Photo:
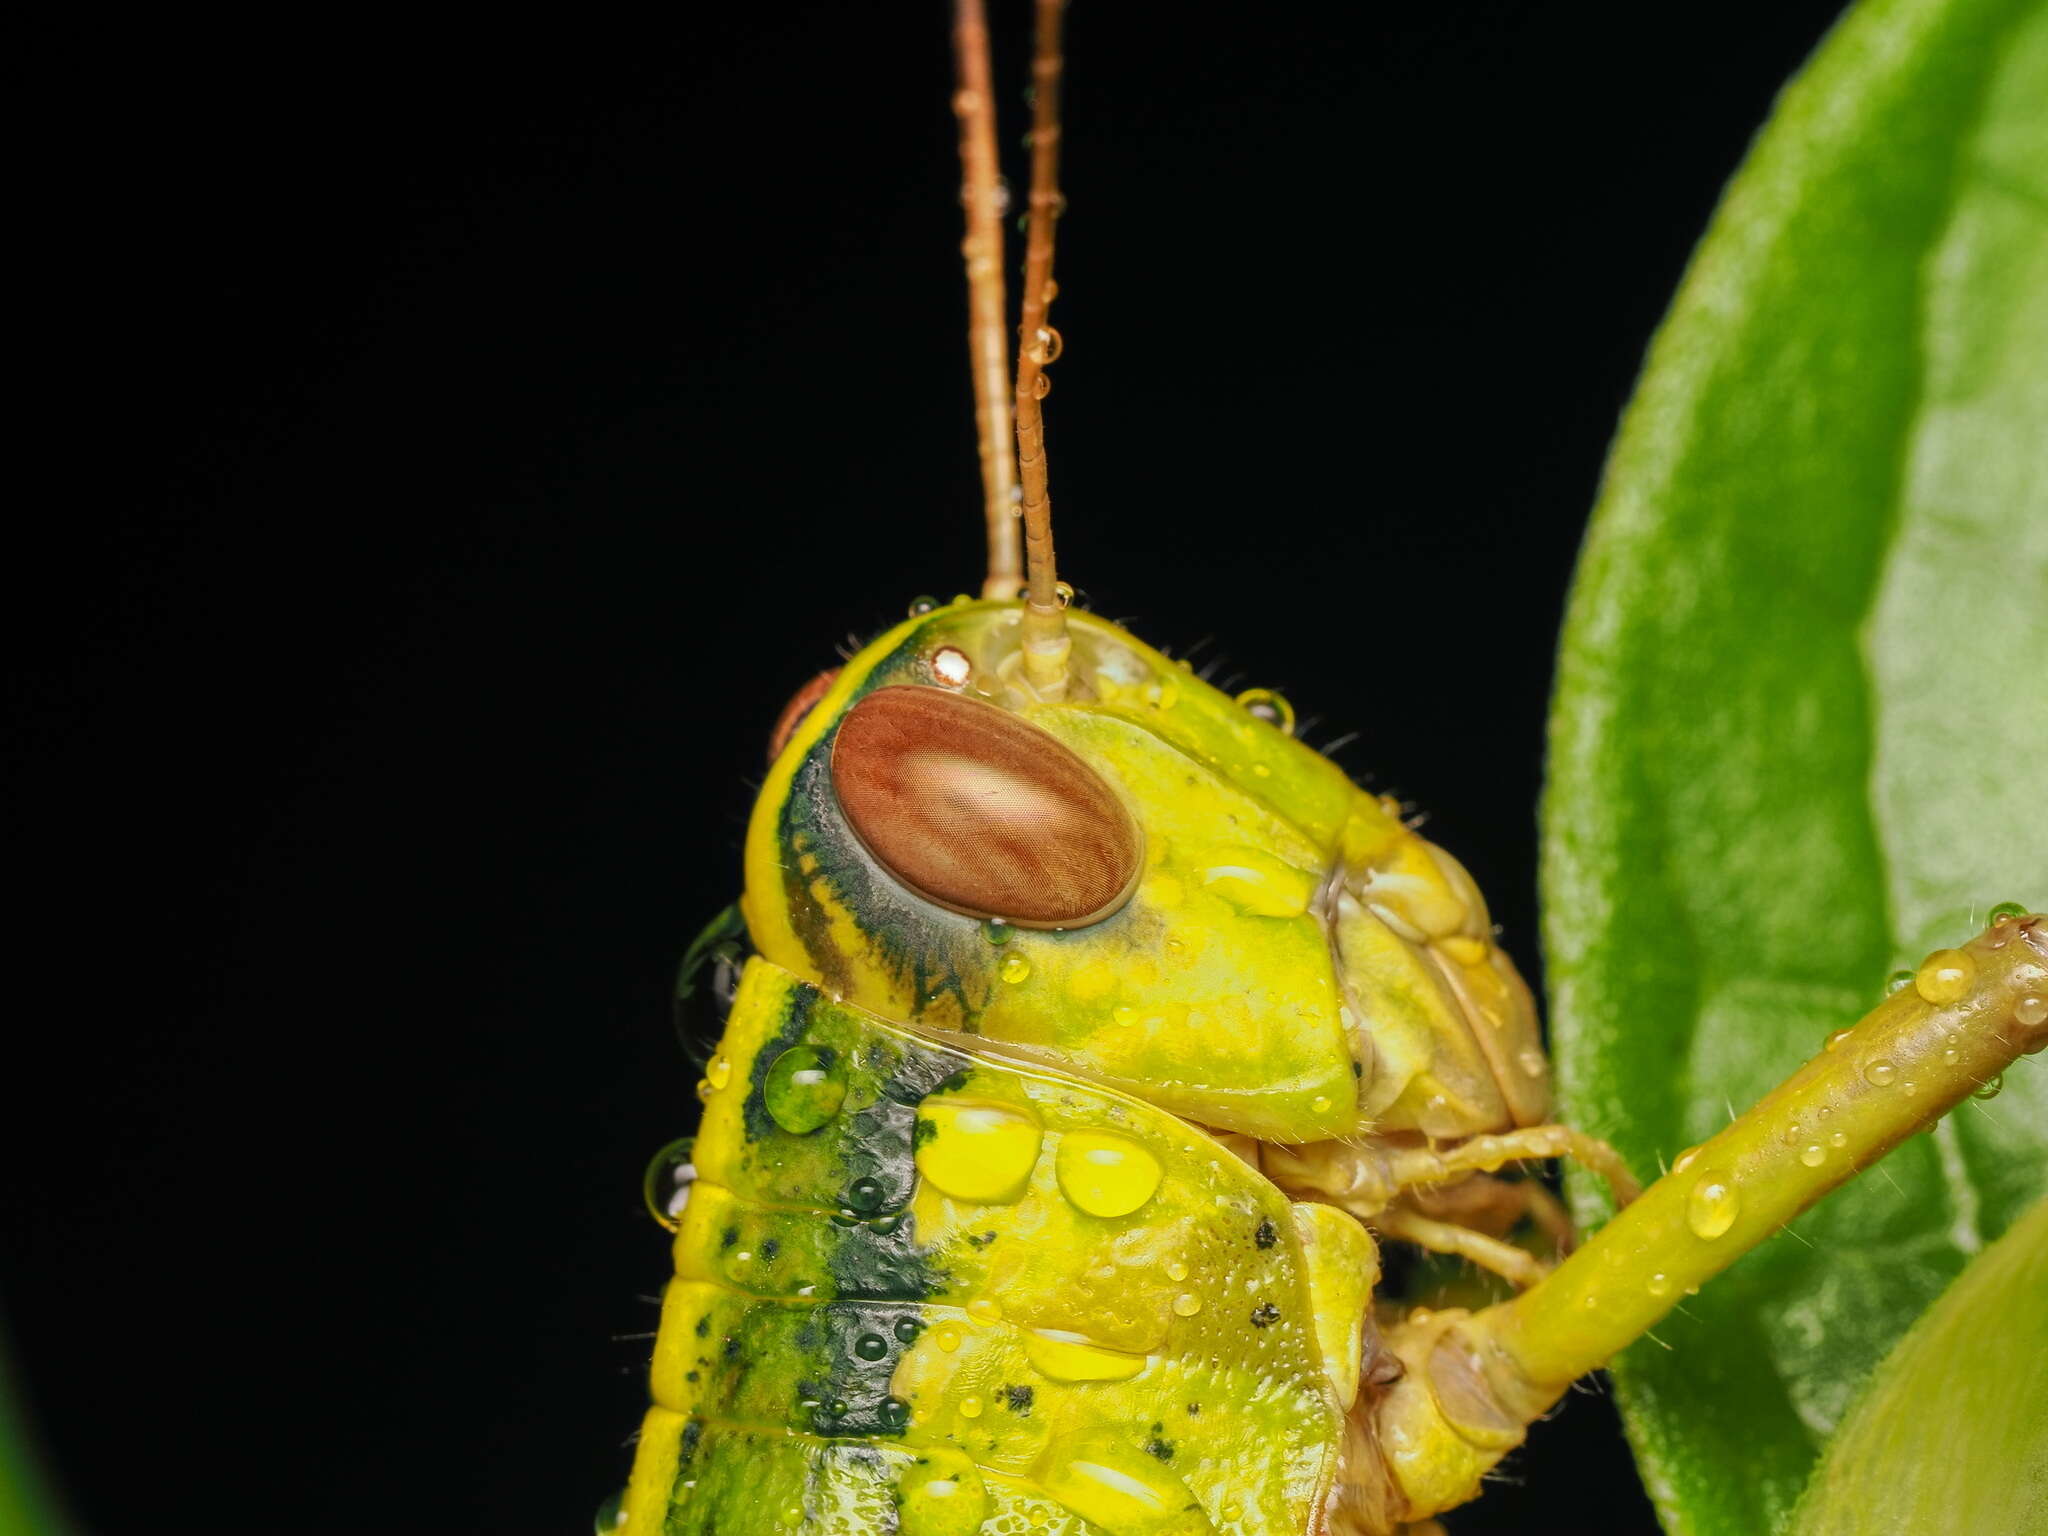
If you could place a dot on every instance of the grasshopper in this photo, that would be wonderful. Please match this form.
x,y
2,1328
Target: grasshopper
x,y
1094,1033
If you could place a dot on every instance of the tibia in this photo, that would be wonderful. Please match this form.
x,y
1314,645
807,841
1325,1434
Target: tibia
x,y
1475,1381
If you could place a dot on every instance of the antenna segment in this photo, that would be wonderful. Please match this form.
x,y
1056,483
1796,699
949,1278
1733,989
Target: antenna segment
x,y
981,195
1046,643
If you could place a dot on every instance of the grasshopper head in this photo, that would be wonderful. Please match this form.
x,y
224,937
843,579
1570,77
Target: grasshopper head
x,y
1146,883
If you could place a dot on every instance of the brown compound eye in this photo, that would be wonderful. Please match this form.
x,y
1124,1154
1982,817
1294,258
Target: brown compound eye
x,y
801,703
979,811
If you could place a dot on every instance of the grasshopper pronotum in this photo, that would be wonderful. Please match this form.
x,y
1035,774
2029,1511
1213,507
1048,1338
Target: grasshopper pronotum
x,y
1096,1034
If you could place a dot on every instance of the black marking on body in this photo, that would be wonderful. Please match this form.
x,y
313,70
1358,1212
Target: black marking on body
x,y
1265,1237
1265,1314
1017,1399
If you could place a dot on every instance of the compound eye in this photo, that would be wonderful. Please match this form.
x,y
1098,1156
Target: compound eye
x,y
981,812
801,703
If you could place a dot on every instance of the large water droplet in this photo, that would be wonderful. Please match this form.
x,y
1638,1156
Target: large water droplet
x,y
1991,1089
1813,1156
1898,981
665,1186
1066,1356
709,978
1944,976
1015,969
939,1498
1879,1073
871,1346
923,604
865,1196
2006,911
1258,883
611,1515
804,1088
1270,707
1119,1489
979,1152
2031,1011
1713,1205
1186,1304
970,1406
1105,1175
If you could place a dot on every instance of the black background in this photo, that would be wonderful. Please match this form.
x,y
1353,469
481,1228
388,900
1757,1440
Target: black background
x,y
462,443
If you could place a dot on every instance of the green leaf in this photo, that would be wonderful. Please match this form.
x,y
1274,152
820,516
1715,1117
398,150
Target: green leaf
x,y
1955,1369
1801,728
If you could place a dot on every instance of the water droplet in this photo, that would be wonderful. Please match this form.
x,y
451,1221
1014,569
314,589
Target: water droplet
x,y
1320,1104
1050,345
978,1152
2006,911
719,1073
1463,948
1684,1159
950,667
803,1089
1838,1037
1949,1054
1813,1156
1071,1357
1233,1510
871,1346
985,1309
939,1499
1944,976
996,931
2031,1011
1041,386
1909,1087
1838,1140
1105,1175
1256,882
970,1406
906,1330
665,1186
1898,981
1176,1271
1186,1304
1713,1206
947,1337
1991,1089
1015,969
865,1196
1063,594
1658,1285
895,1413
611,1515
709,978
1271,707
923,604
1879,1073
791,1516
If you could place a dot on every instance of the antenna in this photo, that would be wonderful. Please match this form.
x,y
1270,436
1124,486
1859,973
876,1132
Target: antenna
x,y
1046,643
981,195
